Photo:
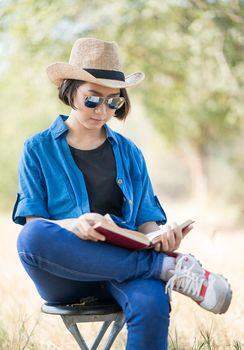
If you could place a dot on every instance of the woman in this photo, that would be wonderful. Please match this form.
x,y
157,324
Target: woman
x,y
76,171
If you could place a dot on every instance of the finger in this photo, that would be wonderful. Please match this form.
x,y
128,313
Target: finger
x,y
89,233
78,233
80,229
178,235
164,243
93,218
171,239
94,235
168,238
157,247
187,230
86,230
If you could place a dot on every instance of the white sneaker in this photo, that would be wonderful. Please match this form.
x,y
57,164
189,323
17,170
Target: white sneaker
x,y
210,290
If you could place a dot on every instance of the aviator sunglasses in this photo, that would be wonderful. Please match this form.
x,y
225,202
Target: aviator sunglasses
x,y
111,102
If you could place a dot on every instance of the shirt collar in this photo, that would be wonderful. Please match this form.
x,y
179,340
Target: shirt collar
x,y
110,134
59,127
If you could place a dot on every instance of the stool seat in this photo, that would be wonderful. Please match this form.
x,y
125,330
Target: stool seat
x,y
93,307
89,310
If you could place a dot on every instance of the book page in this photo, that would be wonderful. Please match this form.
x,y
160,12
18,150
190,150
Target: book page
x,y
154,234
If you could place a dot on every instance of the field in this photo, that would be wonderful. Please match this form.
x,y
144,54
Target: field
x,y
22,326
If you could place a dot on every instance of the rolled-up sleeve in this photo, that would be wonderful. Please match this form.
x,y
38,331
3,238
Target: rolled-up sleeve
x,y
31,196
150,208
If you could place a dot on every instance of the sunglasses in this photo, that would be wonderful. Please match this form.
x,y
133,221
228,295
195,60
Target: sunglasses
x,y
111,102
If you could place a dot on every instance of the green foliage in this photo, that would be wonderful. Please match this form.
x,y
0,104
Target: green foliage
x,y
191,53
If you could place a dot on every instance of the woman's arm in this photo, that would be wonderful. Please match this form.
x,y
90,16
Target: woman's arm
x,y
81,226
65,223
149,226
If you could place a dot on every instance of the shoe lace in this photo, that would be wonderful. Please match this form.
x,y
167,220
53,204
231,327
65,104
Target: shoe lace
x,y
185,280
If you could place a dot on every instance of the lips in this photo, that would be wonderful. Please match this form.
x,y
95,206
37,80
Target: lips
x,y
97,120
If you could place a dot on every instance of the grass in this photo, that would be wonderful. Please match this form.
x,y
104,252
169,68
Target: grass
x,y
19,338
24,339
23,327
205,341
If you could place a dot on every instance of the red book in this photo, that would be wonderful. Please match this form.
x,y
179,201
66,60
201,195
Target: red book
x,y
129,239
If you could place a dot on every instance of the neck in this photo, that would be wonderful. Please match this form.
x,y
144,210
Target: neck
x,y
81,137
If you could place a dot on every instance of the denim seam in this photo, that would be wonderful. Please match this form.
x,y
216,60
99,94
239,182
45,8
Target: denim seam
x,y
77,273
123,293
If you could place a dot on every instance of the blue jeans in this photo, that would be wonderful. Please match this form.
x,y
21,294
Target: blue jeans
x,y
65,269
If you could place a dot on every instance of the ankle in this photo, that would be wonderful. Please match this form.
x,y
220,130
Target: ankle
x,y
168,265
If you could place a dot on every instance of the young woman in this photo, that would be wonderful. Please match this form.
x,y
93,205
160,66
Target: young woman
x,y
74,173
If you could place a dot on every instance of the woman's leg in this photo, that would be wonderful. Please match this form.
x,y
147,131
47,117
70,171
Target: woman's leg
x,y
65,268
146,308
58,290
43,245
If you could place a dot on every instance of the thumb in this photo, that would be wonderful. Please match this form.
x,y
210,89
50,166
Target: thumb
x,y
187,230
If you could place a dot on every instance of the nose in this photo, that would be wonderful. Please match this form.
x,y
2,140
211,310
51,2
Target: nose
x,y
101,109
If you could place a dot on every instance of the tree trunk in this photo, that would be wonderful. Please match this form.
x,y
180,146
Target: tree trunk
x,y
196,159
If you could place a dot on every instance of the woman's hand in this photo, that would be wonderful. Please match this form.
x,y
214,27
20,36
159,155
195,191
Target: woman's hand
x,y
171,239
83,227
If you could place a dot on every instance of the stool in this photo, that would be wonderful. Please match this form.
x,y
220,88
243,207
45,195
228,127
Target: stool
x,y
90,310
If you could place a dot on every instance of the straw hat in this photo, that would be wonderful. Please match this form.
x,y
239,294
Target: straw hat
x,y
94,61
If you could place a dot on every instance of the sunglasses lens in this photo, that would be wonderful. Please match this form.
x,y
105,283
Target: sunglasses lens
x,y
95,101
116,102
92,101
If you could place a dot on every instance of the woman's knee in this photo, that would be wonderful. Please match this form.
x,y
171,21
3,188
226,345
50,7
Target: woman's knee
x,y
31,235
148,306
151,302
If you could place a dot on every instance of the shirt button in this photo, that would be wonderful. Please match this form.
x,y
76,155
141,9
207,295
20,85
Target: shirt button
x,y
119,181
130,201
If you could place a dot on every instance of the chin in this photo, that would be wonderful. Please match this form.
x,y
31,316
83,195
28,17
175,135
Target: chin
x,y
94,127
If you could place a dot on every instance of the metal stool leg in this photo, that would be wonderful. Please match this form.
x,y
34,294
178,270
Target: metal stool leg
x,y
117,326
100,335
105,311
72,327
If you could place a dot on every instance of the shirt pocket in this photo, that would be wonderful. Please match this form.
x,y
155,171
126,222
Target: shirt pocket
x,y
59,196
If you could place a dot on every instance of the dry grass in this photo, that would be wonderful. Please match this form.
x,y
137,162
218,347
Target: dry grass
x,y
22,326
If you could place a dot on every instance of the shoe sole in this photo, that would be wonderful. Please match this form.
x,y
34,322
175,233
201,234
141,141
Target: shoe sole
x,y
223,305
228,296
227,299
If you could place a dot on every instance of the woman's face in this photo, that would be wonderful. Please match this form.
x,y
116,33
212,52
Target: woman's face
x,y
93,118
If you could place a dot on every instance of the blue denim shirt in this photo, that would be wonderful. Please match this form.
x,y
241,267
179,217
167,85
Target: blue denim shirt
x,y
52,186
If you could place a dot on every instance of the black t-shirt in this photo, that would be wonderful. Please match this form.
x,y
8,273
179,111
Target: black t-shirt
x,y
99,169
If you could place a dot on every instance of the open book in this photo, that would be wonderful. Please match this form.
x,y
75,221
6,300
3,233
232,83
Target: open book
x,y
129,239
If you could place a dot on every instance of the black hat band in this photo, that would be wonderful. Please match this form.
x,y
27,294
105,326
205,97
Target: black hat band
x,y
106,74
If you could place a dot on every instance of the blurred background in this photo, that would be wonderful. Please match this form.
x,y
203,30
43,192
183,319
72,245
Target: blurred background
x,y
187,117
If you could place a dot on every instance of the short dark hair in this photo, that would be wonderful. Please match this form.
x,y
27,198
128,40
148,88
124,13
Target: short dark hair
x,y
68,89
